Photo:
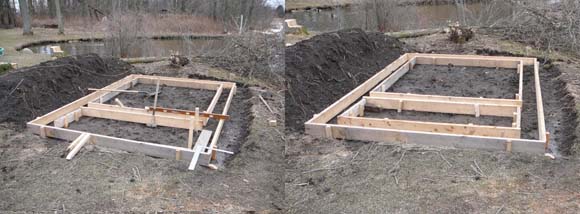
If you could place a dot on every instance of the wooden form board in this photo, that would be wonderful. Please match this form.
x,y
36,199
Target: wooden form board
x,y
92,106
351,125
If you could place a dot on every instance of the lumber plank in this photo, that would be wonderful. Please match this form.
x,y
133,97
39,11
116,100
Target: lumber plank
x,y
395,76
151,149
333,110
442,106
488,63
48,118
84,138
539,103
136,117
214,102
186,112
194,159
526,60
183,83
471,100
430,139
461,129
221,122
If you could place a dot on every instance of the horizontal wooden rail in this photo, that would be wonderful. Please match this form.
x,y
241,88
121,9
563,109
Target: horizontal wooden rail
x,y
184,83
424,138
137,117
471,100
472,60
442,106
462,129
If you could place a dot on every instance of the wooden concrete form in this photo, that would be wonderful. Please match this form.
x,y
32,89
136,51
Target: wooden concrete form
x,y
352,124
55,123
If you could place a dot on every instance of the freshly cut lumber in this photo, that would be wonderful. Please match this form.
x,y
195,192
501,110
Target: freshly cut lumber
x,y
83,139
526,60
200,145
186,112
539,104
136,117
450,128
183,83
428,138
471,100
442,106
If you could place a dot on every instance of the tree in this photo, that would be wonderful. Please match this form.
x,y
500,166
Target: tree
x,y
59,17
7,19
26,25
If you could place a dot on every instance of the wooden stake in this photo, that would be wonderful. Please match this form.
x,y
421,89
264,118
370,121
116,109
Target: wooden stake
x,y
196,119
508,146
476,110
190,136
85,137
153,124
400,108
547,141
177,154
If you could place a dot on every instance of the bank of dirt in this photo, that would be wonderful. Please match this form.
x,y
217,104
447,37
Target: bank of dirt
x,y
30,92
324,68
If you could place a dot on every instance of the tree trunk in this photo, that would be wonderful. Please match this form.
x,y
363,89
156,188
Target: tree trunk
x,y
51,8
59,17
6,14
26,25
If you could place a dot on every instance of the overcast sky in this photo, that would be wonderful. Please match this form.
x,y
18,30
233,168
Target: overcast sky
x,y
275,3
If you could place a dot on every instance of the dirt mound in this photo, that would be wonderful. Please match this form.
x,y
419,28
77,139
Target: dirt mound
x,y
30,92
326,67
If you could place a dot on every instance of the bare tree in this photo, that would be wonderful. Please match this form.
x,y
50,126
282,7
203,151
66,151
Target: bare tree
x,y
26,25
59,17
7,17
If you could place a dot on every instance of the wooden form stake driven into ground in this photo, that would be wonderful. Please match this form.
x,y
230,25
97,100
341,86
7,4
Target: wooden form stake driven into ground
x,y
351,123
55,124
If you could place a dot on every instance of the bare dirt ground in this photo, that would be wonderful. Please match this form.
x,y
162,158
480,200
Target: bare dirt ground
x,y
36,178
332,176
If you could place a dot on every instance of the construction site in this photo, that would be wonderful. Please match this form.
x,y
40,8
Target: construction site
x,y
417,122
350,106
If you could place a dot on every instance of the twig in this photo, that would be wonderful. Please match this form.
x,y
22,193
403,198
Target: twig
x,y
500,209
477,165
265,103
15,88
445,159
397,165
322,169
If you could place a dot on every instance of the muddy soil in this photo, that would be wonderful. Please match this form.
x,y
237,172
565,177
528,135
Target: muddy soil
x,y
439,117
30,92
459,81
324,68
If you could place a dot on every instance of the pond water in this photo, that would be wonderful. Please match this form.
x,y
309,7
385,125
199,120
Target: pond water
x,y
398,17
140,48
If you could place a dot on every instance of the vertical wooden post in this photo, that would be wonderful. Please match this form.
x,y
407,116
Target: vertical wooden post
x,y
190,135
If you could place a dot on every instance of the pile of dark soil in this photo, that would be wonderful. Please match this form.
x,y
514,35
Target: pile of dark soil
x,y
31,92
326,67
